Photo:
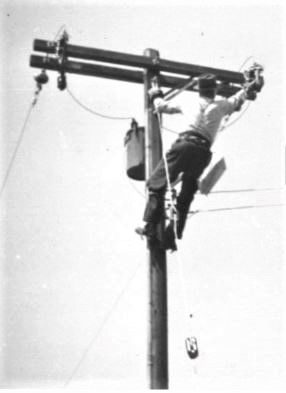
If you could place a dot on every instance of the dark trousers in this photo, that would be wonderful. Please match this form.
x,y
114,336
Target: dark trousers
x,y
189,155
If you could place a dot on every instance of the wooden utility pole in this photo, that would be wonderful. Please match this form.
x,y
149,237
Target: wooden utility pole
x,y
151,65
158,311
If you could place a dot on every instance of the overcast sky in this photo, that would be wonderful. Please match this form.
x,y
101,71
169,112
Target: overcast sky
x,y
74,274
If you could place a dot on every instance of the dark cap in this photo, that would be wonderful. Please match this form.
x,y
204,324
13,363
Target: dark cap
x,y
207,81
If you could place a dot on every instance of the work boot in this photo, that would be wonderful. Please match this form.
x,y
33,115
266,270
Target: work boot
x,y
181,222
169,237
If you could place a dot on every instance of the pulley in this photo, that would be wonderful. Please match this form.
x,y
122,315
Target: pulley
x,y
192,347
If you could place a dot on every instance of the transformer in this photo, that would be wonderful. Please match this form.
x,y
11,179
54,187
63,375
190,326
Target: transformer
x,y
134,143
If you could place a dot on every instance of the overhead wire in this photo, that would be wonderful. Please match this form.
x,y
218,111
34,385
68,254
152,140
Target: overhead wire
x,y
83,106
102,325
226,123
235,208
247,190
62,28
19,141
23,128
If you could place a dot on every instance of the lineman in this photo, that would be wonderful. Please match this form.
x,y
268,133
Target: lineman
x,y
191,152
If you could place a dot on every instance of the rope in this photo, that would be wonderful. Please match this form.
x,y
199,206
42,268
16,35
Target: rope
x,y
169,186
20,139
174,211
105,320
94,112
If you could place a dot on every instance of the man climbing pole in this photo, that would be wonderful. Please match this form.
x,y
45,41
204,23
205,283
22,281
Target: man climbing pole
x,y
191,153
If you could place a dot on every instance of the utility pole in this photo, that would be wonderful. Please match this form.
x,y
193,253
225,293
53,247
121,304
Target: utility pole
x,y
158,310
151,66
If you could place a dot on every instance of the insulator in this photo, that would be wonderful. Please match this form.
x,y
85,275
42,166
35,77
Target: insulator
x,y
62,82
42,78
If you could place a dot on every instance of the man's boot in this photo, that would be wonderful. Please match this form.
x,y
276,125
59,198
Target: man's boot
x,y
170,237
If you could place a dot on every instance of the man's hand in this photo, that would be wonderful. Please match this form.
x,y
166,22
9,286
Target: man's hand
x,y
254,81
254,87
154,93
259,83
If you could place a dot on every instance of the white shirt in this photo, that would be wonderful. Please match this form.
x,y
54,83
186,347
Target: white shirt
x,y
205,118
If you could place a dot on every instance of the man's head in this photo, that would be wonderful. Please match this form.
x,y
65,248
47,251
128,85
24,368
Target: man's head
x,y
207,85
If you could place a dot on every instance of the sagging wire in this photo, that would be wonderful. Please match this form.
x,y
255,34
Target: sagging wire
x,y
40,79
135,188
20,139
105,320
226,122
247,190
62,28
61,54
193,212
83,106
245,62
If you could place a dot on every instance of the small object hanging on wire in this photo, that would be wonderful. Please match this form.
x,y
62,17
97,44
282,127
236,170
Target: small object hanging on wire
x,y
192,347
41,79
61,53
254,80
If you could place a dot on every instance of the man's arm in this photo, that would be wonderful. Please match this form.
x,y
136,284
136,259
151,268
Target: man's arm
x,y
163,106
235,102
249,91
160,104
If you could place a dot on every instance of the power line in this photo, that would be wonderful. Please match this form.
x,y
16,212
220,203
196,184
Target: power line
x,y
247,190
105,320
235,208
94,112
16,148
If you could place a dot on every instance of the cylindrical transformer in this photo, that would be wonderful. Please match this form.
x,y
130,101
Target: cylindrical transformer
x,y
134,142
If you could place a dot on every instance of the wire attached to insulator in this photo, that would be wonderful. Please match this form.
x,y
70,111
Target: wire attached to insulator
x,y
40,79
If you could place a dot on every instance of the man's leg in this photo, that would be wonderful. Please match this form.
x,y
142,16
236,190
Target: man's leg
x,y
184,200
157,185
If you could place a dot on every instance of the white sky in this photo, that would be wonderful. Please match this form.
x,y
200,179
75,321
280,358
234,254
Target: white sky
x,y
74,274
